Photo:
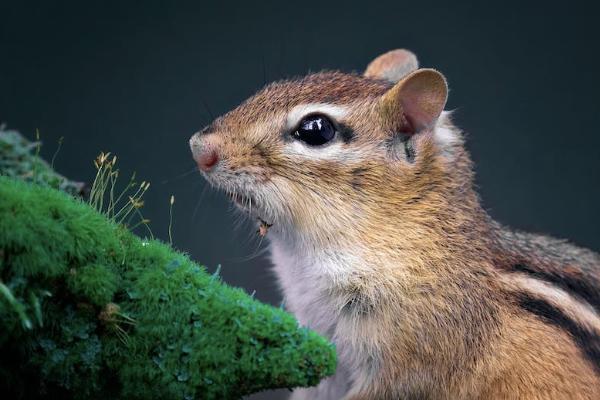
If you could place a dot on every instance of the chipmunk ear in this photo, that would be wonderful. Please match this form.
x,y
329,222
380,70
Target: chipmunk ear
x,y
416,102
392,66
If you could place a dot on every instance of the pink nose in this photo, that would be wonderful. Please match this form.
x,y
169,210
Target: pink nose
x,y
207,159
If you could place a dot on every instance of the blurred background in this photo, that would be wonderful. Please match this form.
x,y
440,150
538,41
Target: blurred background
x,y
138,78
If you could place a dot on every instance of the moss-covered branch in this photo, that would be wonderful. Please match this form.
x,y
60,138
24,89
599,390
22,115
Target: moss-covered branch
x,y
88,310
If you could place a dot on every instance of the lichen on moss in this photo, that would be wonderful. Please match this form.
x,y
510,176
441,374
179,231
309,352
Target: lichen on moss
x,y
19,158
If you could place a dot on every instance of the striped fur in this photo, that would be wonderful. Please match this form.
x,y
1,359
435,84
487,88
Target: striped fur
x,y
379,242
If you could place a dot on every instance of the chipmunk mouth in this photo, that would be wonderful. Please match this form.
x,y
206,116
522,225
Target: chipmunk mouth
x,y
248,204
241,200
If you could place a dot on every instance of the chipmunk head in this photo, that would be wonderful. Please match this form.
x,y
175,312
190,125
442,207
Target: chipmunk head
x,y
325,152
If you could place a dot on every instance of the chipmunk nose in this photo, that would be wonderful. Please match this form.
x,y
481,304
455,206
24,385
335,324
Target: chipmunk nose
x,y
208,159
204,153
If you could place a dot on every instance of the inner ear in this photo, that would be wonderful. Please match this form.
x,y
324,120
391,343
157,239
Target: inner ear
x,y
402,147
392,66
416,102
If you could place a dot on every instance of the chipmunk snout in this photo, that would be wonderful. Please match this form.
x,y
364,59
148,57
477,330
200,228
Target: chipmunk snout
x,y
208,159
204,151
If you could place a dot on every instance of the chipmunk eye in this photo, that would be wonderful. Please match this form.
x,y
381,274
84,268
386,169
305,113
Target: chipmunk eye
x,y
315,130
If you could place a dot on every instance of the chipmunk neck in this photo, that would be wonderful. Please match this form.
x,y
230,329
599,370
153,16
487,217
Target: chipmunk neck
x,y
403,254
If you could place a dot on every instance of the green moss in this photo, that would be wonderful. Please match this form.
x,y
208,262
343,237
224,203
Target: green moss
x,y
95,283
89,310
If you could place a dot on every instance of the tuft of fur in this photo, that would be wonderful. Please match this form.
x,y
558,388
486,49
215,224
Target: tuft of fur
x,y
379,242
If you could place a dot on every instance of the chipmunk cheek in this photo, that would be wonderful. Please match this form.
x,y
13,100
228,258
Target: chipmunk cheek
x,y
258,173
358,178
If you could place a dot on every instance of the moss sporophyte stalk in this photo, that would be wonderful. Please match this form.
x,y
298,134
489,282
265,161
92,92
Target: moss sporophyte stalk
x,y
89,310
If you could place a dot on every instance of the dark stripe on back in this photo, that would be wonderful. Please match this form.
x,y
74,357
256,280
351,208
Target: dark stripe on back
x,y
569,283
588,342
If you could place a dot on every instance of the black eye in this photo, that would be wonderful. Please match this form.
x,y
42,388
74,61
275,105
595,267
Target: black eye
x,y
315,130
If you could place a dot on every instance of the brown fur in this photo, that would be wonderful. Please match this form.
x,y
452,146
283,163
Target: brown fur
x,y
438,299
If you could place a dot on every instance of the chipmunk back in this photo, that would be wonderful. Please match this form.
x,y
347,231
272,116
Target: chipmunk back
x,y
364,189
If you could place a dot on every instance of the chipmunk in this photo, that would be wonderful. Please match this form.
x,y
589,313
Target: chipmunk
x,y
380,243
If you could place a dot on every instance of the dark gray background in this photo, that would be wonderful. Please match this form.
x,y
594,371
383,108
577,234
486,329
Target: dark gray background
x,y
133,78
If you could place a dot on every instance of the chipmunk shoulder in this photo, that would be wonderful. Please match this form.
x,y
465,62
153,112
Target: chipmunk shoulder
x,y
365,191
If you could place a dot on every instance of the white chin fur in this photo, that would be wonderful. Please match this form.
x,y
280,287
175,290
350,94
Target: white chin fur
x,y
255,199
